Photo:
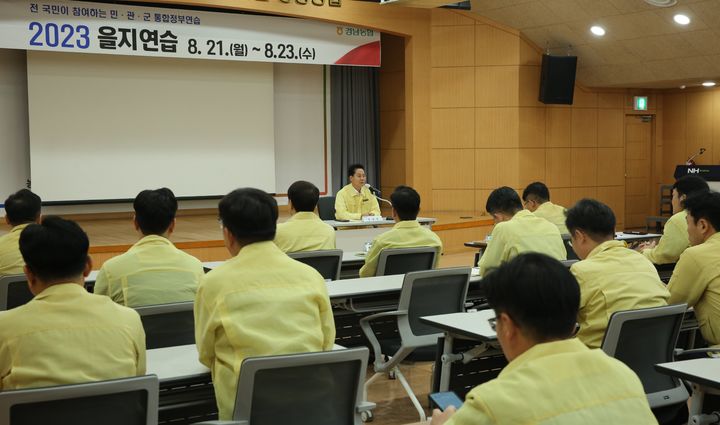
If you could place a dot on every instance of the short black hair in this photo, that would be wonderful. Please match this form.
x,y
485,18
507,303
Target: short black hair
x,y
249,214
538,292
406,202
592,217
155,210
303,195
22,206
687,185
538,190
503,200
353,168
55,249
704,205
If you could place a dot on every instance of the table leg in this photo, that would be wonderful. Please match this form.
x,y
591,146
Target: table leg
x,y
696,404
446,361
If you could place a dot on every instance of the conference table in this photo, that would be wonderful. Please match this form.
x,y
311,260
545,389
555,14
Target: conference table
x,y
704,375
352,235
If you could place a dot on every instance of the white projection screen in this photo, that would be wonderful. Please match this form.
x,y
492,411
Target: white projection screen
x,y
106,127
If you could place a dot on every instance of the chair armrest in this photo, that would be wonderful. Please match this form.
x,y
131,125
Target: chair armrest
x,y
695,353
370,335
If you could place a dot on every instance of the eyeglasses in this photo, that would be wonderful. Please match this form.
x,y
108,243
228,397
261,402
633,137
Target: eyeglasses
x,y
493,323
220,222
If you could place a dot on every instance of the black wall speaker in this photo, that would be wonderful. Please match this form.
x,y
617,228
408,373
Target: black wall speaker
x,y
557,79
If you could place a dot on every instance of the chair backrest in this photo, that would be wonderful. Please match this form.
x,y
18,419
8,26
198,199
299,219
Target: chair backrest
x,y
168,325
14,291
405,260
326,262
323,388
571,255
326,207
643,338
429,293
130,401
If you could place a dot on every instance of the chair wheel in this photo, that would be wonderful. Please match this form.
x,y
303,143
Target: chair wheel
x,y
367,416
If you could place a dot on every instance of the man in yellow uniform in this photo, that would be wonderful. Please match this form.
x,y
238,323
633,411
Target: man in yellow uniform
x,y
536,199
675,234
696,278
65,335
304,231
260,302
355,201
406,233
517,231
552,378
611,276
21,209
153,271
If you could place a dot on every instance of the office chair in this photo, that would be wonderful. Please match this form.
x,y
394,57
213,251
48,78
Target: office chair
x,y
571,255
326,207
168,325
643,338
323,388
14,291
129,401
405,260
326,262
423,293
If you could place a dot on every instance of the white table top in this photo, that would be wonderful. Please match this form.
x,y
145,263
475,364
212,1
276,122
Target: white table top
x,y
473,325
357,223
705,371
348,257
620,236
348,288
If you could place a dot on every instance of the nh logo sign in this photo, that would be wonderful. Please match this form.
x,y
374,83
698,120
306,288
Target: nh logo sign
x,y
693,171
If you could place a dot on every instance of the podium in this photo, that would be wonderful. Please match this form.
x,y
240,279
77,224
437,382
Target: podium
x,y
711,174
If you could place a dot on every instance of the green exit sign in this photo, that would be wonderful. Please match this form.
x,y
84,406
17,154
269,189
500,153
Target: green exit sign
x,y
641,103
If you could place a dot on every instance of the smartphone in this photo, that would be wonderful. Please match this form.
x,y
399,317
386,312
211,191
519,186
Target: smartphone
x,y
446,399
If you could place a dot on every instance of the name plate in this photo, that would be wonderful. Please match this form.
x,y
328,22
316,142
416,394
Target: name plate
x,y
372,219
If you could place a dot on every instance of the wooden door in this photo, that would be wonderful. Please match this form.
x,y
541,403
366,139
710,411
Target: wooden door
x,y
638,169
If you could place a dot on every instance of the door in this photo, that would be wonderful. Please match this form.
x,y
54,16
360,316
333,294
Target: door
x,y
638,169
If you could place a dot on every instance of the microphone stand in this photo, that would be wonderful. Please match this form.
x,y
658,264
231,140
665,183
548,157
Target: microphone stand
x,y
690,161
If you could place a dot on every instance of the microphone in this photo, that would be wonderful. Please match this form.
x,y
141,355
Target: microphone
x,y
372,189
691,160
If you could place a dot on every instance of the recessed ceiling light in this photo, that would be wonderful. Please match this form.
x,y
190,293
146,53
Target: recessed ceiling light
x,y
597,30
681,19
662,3
709,84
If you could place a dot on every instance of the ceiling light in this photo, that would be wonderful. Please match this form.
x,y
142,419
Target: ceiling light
x,y
709,84
597,30
681,19
661,3
683,87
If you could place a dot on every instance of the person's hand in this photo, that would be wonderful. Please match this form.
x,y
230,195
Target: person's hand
x,y
439,418
645,245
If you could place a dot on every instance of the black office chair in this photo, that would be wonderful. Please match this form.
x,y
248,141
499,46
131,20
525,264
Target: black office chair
x,y
14,291
323,388
326,262
405,260
423,293
326,208
643,338
571,255
168,325
130,401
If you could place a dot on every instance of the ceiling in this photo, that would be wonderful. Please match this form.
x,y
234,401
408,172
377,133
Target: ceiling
x,y
642,47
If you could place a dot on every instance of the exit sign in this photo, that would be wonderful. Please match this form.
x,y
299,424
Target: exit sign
x,y
641,103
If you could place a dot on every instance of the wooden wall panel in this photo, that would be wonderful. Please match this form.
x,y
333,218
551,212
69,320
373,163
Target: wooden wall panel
x,y
480,200
716,127
558,127
453,45
584,167
610,100
614,197
392,167
452,87
494,46
392,53
584,98
530,86
529,54
496,167
453,128
454,239
449,17
532,128
699,125
497,127
453,168
496,86
392,89
584,127
392,130
611,167
454,200
611,128
558,167
561,196
578,193
532,166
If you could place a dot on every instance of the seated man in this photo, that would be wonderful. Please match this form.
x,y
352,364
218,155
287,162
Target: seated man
x,y
304,231
260,302
355,201
552,378
21,209
536,198
153,271
696,278
65,335
675,233
517,231
611,276
406,233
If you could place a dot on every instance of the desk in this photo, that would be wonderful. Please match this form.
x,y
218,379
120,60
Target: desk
x,y
704,374
370,286
352,235
351,263
471,326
